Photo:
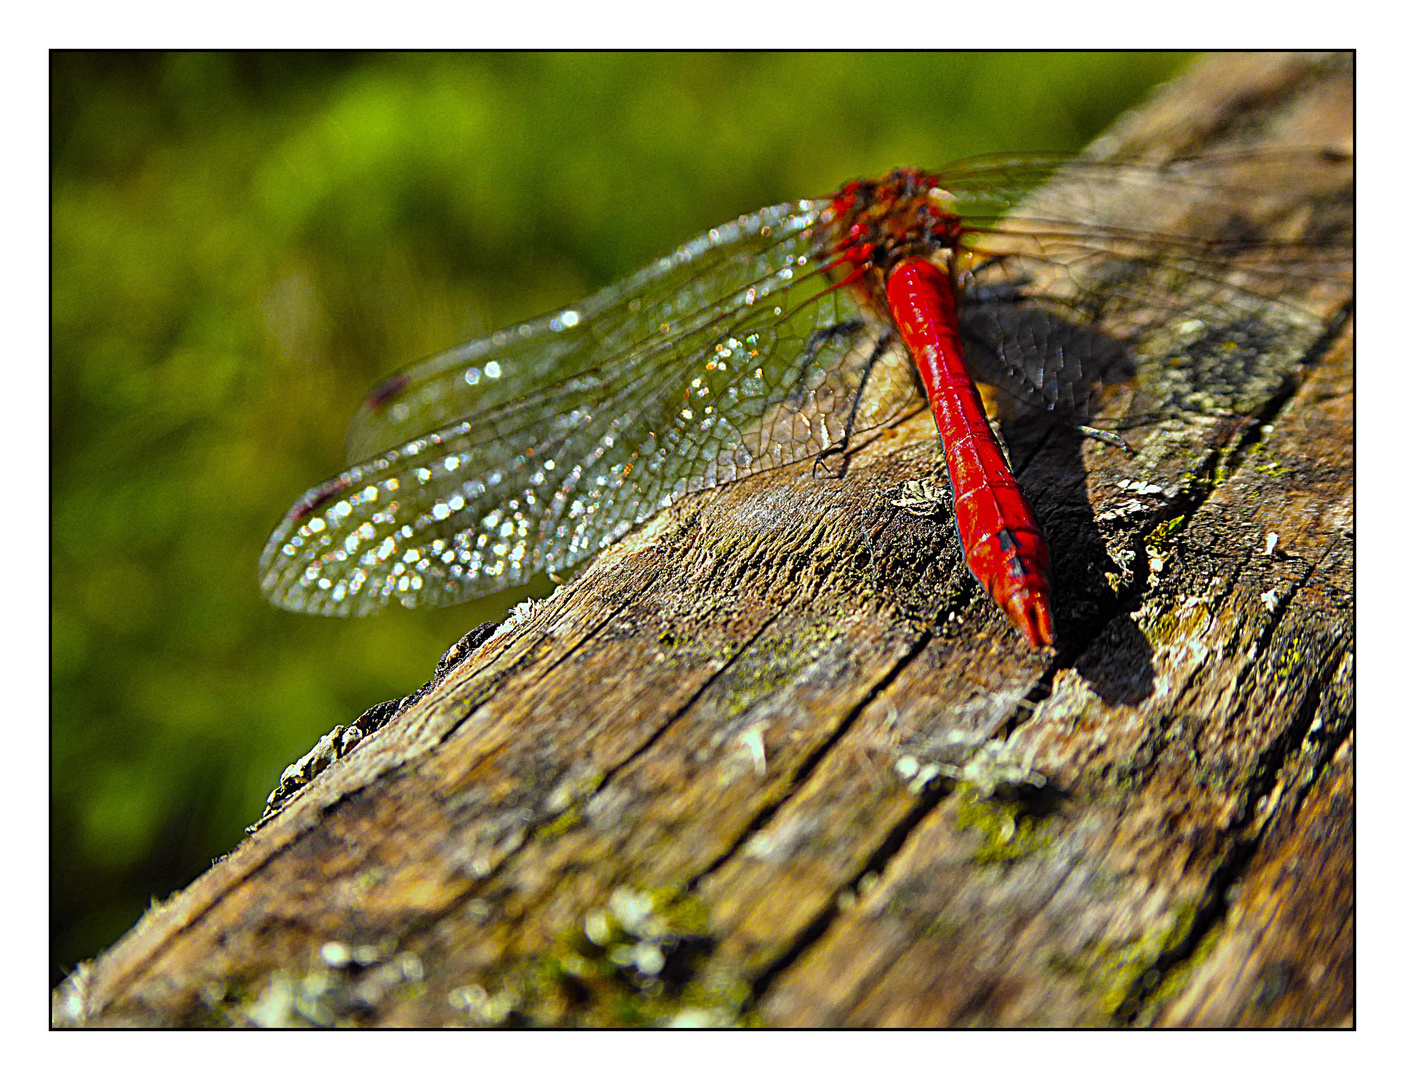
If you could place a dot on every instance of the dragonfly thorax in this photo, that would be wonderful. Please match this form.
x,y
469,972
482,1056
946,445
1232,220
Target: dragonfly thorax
x,y
879,223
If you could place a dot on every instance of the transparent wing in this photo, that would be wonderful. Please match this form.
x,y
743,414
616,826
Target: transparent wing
x,y
646,319
1090,267
534,447
538,445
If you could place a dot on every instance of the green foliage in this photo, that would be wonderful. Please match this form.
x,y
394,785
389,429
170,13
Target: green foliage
x,y
243,244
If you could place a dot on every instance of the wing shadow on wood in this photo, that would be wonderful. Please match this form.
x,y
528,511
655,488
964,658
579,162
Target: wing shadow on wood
x,y
918,564
1047,372
1086,603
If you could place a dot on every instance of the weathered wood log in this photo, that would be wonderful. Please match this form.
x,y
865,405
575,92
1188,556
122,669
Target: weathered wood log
x,y
775,759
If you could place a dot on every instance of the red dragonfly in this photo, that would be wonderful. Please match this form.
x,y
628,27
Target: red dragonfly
x,y
777,337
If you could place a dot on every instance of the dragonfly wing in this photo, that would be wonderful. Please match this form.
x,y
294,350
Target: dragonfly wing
x,y
1192,257
714,269
702,369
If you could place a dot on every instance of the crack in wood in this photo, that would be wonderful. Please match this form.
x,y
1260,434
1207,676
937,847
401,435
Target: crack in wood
x,y
1215,902
812,762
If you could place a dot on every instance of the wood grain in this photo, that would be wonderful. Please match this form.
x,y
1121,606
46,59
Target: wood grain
x,y
718,778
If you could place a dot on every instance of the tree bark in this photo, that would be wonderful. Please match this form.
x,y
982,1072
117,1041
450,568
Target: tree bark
x,y
776,759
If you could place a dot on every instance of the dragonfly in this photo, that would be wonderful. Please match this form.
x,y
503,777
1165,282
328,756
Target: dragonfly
x,y
779,337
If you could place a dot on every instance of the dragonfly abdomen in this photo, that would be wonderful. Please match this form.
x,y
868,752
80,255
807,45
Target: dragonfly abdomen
x,y
1004,547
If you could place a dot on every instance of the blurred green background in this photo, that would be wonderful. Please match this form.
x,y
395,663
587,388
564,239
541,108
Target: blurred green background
x,y
243,244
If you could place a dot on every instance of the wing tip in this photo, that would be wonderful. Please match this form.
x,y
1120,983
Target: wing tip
x,y
385,392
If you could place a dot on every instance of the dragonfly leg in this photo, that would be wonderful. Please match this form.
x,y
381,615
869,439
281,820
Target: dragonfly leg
x,y
1003,293
821,337
1111,438
842,445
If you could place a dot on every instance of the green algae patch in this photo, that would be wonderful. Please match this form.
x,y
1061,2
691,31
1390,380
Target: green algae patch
x,y
771,664
1009,831
1158,541
639,960
1263,461
1121,977
1181,623
942,929
1176,979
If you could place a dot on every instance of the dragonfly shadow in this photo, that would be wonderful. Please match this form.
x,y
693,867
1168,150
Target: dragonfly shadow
x,y
1039,362
1050,374
1090,603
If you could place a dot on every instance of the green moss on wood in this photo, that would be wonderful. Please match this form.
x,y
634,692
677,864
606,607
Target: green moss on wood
x,y
636,961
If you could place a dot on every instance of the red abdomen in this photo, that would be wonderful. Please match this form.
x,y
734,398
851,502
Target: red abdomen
x,y
1004,547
